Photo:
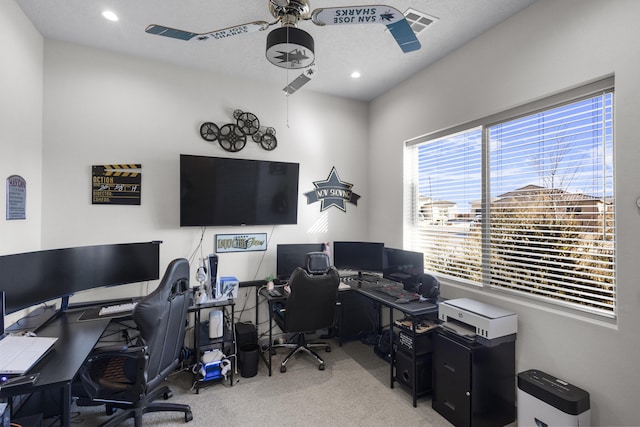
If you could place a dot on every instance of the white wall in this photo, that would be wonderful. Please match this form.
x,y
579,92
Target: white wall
x,y
103,108
20,124
547,48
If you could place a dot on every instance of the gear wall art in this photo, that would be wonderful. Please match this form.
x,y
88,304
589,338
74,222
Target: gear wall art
x,y
232,137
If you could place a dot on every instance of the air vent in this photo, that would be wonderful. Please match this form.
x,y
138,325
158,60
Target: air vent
x,y
419,21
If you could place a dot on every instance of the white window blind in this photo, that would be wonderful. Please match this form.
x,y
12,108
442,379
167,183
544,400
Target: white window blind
x,y
523,203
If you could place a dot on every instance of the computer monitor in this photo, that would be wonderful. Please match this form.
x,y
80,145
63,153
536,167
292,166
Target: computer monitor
x,y
403,266
290,256
36,277
358,256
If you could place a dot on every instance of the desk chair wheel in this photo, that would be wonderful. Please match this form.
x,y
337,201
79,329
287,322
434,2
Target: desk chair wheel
x,y
188,416
321,367
327,349
167,395
283,369
272,351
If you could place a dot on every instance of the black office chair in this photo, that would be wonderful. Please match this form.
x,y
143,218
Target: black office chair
x,y
311,305
131,378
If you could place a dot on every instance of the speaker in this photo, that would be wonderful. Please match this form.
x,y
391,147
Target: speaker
x,y
216,324
405,374
429,287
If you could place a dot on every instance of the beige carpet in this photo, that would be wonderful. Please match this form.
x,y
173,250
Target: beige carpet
x,y
353,390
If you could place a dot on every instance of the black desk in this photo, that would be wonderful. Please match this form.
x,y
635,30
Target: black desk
x,y
58,368
414,310
270,301
366,288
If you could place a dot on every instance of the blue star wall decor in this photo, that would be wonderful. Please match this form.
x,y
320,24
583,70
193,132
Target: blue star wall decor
x,y
332,192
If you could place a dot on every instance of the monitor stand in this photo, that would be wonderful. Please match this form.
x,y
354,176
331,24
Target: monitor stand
x,y
34,320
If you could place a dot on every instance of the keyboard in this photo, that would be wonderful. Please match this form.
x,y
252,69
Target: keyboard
x,y
398,292
117,308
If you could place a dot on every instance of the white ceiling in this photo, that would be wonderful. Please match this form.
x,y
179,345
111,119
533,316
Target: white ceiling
x,y
339,49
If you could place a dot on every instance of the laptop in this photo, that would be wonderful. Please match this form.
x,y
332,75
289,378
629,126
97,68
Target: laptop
x,y
18,353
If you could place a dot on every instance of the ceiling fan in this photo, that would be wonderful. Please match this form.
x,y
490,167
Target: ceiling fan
x,y
292,48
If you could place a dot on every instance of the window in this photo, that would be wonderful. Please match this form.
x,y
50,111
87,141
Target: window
x,y
522,201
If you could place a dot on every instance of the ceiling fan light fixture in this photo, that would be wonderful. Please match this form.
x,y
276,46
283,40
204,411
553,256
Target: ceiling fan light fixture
x,y
290,47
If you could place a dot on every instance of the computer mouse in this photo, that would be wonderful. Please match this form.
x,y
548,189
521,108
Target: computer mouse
x,y
402,301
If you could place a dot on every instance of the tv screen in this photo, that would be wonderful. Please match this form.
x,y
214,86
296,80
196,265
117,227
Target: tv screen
x,y
403,266
358,256
35,277
219,191
290,256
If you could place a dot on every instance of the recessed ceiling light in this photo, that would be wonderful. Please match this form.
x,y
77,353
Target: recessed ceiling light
x,y
355,75
110,15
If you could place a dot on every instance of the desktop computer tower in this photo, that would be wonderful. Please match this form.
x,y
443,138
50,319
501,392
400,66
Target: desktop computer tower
x,y
405,372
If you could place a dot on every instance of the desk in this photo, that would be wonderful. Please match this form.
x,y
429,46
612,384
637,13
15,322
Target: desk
x,y
58,368
366,288
412,310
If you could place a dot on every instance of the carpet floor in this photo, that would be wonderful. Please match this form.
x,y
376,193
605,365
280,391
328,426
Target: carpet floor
x,y
353,390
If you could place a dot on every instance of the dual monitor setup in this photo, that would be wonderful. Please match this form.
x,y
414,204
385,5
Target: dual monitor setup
x,y
359,258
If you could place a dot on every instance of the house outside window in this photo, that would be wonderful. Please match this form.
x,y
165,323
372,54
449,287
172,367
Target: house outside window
x,y
522,201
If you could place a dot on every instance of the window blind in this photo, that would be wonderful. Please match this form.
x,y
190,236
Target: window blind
x,y
522,201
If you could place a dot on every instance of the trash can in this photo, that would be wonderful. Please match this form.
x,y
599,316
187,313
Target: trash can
x,y
248,358
546,401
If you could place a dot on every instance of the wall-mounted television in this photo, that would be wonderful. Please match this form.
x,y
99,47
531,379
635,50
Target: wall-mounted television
x,y
218,191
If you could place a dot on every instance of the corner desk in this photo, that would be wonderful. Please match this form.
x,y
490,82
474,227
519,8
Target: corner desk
x,y
58,368
368,286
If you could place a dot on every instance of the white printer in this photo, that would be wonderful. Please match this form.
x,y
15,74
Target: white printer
x,y
483,322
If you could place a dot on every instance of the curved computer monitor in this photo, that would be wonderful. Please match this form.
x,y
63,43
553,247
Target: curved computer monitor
x,y
360,257
32,278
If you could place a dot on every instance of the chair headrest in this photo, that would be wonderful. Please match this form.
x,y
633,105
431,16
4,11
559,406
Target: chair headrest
x,y
317,263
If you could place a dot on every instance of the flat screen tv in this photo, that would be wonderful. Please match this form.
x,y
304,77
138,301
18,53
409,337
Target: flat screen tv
x,y
217,191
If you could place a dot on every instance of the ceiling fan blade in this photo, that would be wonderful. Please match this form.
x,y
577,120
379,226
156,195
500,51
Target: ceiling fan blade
x,y
301,80
236,30
280,3
372,14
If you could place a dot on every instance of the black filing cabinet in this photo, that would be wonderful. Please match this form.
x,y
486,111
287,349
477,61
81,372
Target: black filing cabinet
x,y
473,383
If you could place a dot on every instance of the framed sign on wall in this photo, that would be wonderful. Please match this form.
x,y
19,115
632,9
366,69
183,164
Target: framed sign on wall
x,y
241,242
118,184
